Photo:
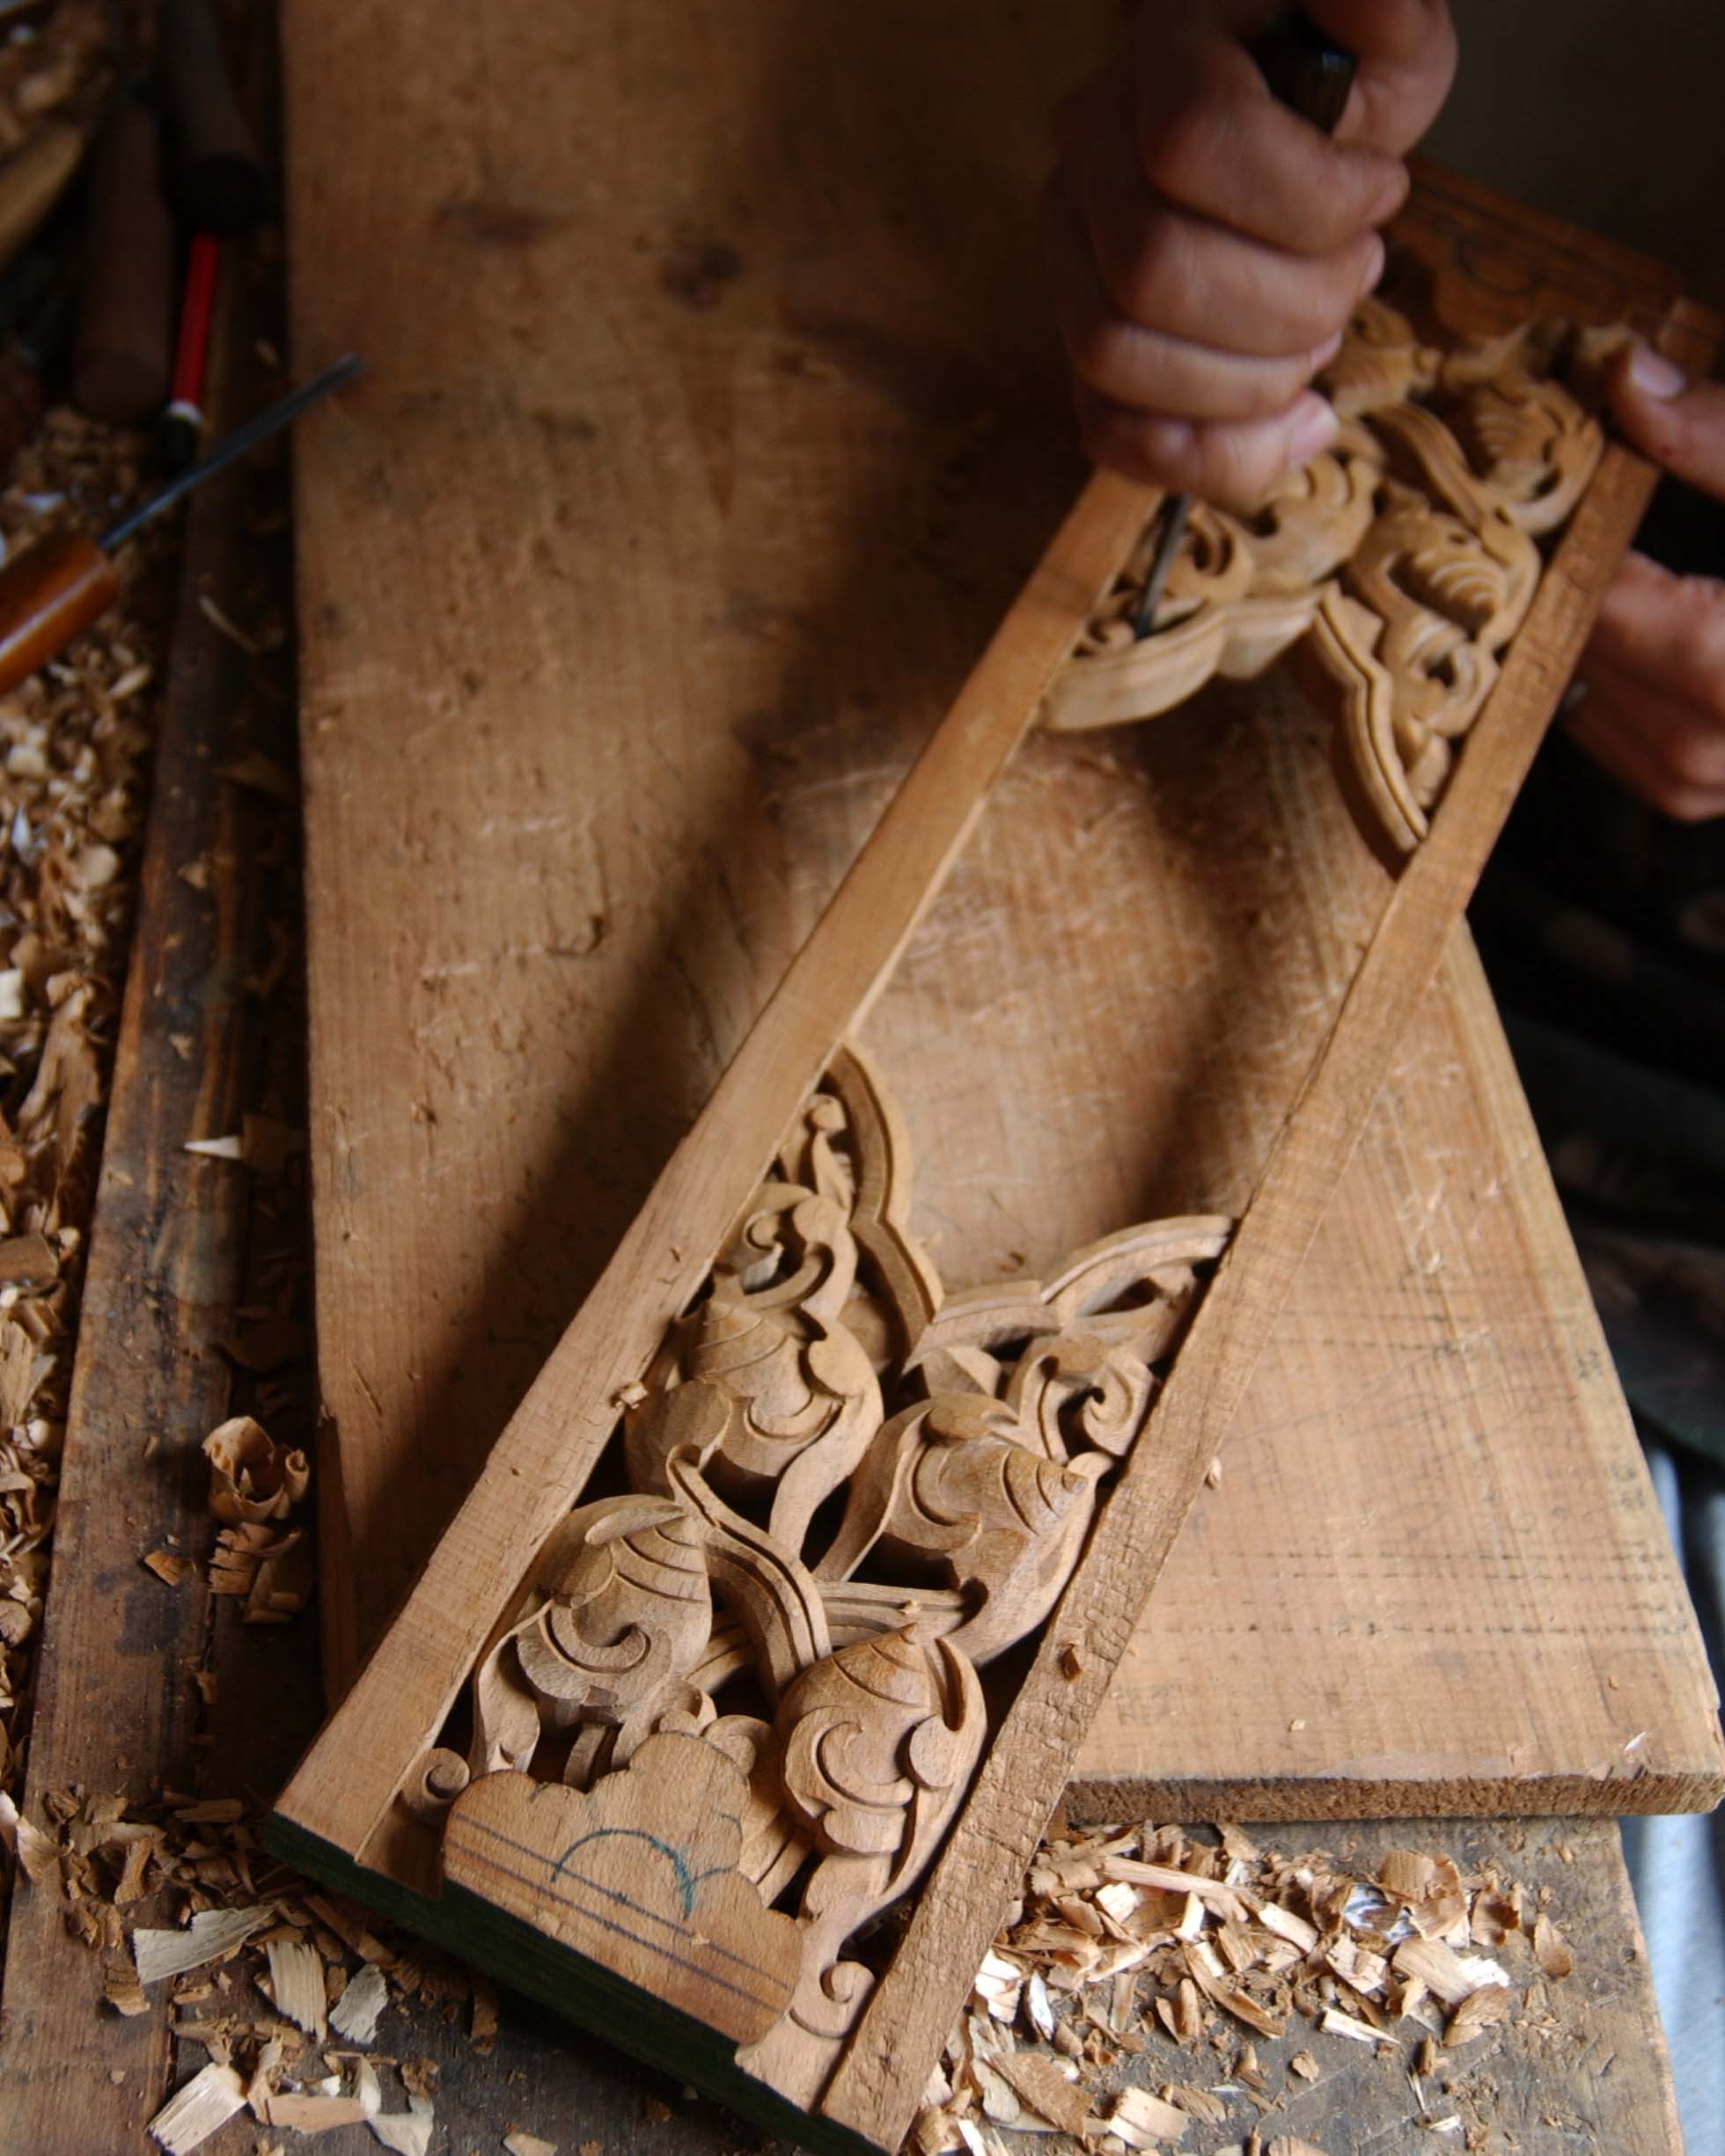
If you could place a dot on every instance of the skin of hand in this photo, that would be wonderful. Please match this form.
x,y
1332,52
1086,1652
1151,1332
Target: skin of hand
x,y
1654,713
1207,246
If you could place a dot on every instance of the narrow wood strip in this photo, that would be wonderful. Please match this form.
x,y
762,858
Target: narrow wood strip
x,y
116,1707
879,2081
545,1455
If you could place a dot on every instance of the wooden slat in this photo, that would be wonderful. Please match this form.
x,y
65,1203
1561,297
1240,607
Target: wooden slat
x,y
117,1709
880,2078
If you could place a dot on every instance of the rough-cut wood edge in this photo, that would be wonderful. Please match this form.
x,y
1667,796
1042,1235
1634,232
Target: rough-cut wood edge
x,y
344,1787
1694,1783
879,2080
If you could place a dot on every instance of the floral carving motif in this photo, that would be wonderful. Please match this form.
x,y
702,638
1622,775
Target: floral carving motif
x,y
1405,556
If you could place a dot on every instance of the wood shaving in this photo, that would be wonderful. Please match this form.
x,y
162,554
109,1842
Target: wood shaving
x,y
520,2142
1036,2081
296,1985
314,2114
1130,1935
250,1476
211,1933
192,2113
1551,1950
407,2132
355,2014
1144,2120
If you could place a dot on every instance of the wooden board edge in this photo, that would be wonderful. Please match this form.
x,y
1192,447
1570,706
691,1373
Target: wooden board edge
x,y
1275,1799
617,2012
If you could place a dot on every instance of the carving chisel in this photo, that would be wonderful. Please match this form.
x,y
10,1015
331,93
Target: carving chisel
x,y
52,590
1311,75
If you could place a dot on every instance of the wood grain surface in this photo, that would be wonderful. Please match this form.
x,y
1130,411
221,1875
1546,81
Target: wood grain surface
x,y
178,1245
629,585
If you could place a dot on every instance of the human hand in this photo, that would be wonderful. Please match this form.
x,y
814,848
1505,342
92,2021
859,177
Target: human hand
x,y
1208,245
1654,713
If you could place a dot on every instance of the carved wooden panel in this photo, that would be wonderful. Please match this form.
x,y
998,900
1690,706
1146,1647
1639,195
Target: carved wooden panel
x,y
705,1719
751,1678
1405,556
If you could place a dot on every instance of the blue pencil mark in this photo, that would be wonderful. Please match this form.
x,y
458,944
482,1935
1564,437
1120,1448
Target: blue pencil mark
x,y
685,1879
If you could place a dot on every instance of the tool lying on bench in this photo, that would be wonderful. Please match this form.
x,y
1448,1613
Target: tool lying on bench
x,y
51,591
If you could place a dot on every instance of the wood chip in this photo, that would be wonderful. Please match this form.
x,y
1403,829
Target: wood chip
x,y
1036,2081
314,2113
406,2133
211,1933
192,2113
1448,1975
1141,2120
1304,2064
355,2014
169,1565
1480,2011
124,1993
520,2142
1336,2023
1551,1950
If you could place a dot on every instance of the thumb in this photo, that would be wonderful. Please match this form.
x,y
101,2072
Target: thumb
x,y
1679,423
1406,52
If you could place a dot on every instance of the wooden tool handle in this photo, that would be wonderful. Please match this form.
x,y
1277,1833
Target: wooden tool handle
x,y
1307,72
220,183
120,353
49,593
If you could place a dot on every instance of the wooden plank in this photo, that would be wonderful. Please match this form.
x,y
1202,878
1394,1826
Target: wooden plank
x,y
1406,1642
117,1709
336,1815
837,468
549,1448
878,2081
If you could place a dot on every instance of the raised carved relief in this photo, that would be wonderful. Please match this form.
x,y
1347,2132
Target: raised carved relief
x,y
1405,557
849,1492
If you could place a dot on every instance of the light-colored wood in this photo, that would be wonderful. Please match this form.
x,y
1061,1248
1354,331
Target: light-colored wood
x,y
878,2082
1400,561
641,1874
965,1513
661,754
541,1462
883,1734
1405,1643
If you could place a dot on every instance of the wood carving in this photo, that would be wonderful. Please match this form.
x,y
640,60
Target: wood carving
x,y
1405,557
824,1700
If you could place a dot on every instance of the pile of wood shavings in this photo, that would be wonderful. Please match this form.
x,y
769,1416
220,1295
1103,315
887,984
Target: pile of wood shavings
x,y
75,741
283,1985
1221,1949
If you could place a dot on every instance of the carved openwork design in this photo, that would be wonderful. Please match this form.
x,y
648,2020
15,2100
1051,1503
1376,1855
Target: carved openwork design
x,y
737,1703
1407,557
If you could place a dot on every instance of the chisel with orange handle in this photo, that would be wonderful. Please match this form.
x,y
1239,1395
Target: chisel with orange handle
x,y
51,591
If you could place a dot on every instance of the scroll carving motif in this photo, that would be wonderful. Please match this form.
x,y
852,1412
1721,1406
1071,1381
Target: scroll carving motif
x,y
1406,557
849,1492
